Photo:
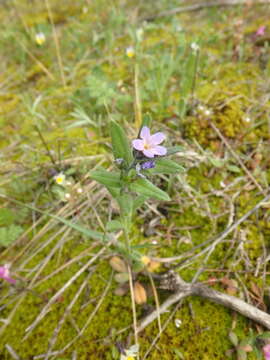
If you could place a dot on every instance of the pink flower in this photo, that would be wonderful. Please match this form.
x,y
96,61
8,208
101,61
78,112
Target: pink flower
x,y
149,144
4,274
266,351
261,30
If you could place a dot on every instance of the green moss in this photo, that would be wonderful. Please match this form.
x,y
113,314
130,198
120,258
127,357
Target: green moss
x,y
229,83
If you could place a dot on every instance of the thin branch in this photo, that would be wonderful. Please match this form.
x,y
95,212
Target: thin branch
x,y
184,290
204,5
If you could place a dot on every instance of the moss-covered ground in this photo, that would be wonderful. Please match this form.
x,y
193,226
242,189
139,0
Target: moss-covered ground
x,y
56,100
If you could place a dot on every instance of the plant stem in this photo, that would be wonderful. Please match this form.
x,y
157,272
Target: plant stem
x,y
133,306
127,240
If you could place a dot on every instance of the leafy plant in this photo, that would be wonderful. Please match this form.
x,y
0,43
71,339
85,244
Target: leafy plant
x,y
130,184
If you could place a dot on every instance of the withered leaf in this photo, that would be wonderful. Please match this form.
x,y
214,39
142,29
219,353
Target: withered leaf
x,y
139,293
118,264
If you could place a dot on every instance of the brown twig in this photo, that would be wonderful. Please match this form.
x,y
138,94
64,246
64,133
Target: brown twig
x,y
204,5
183,290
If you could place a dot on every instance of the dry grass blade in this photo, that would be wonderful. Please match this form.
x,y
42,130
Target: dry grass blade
x,y
54,336
60,292
240,162
156,301
57,46
133,306
88,321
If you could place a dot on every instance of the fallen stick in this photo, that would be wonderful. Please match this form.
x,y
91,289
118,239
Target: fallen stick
x,y
199,6
172,281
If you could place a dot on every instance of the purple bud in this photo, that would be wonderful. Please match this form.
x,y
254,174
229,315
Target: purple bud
x,y
148,165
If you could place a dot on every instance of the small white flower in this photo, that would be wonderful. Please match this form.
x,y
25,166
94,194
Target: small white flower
x,y
40,38
201,108
194,46
222,184
60,179
178,323
79,190
67,196
207,112
130,51
131,353
247,119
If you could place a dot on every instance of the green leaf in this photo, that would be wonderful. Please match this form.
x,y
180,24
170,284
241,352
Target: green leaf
x,y
9,234
182,108
146,188
125,202
179,354
233,338
139,201
257,353
115,192
188,75
120,143
264,335
82,119
110,179
7,217
174,149
216,161
114,225
166,166
234,168
241,354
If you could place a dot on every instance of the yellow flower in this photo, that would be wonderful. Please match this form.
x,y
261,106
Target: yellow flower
x,y
40,38
130,52
145,260
123,357
60,179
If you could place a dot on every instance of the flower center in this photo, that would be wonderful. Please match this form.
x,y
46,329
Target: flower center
x,y
146,146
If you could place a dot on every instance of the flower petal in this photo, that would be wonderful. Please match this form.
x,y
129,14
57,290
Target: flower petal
x,y
9,279
157,138
159,150
145,133
148,153
138,144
